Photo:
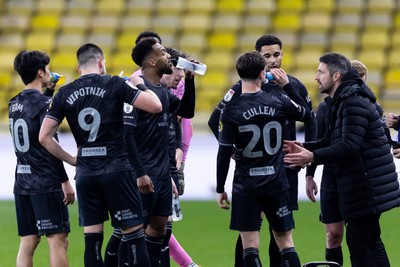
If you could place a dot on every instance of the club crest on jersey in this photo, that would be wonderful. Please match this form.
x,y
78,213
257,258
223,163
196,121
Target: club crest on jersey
x,y
220,126
229,95
128,108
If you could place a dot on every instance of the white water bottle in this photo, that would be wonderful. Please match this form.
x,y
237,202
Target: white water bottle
x,y
176,210
185,64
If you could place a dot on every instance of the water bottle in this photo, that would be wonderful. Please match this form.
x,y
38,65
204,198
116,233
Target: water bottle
x,y
57,78
176,210
269,76
185,64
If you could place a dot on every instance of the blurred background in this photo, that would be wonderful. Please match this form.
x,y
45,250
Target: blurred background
x,y
213,31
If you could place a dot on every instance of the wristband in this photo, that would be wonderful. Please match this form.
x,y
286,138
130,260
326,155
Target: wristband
x,y
142,87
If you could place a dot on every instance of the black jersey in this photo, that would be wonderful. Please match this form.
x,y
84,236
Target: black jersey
x,y
254,124
152,132
93,106
37,171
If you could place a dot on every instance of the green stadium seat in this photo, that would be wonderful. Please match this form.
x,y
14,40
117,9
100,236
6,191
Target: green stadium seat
x,y
222,41
45,23
344,41
21,7
247,41
290,41
392,79
106,42
15,23
52,7
135,24
397,20
317,22
69,42
218,61
7,61
230,6
325,6
104,24
394,58
5,80
64,61
80,7
170,7
260,7
313,41
347,22
374,59
74,24
195,23
259,24
378,21
110,7
290,6
11,42
140,7
192,43
308,60
200,6
40,41
126,41
386,6
121,61
287,22
227,23
166,24
353,6
375,39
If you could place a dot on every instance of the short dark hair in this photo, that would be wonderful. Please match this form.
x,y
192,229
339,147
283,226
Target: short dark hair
x,y
142,50
88,53
250,65
267,39
336,62
146,35
27,63
175,53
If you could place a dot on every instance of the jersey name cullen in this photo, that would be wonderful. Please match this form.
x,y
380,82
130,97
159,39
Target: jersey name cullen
x,y
264,110
85,91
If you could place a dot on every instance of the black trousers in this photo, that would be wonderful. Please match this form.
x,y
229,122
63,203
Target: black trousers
x,y
363,238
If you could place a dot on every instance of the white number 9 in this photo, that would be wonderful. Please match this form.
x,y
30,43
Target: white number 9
x,y
93,127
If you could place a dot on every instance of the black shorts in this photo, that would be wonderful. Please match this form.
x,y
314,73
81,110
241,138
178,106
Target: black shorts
x,y
115,193
293,179
330,212
158,203
41,214
246,211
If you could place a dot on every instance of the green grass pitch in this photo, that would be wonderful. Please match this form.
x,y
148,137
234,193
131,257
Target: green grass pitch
x,y
204,233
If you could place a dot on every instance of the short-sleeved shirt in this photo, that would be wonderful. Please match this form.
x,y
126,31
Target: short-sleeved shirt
x,y
93,106
37,171
152,132
255,125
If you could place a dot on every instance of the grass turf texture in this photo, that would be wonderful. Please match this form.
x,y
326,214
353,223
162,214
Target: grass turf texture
x,y
204,233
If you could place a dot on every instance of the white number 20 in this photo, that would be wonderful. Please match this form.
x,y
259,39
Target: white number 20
x,y
248,150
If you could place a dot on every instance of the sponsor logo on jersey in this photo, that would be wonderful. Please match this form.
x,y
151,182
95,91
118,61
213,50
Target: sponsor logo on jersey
x,y
229,95
94,151
24,169
267,170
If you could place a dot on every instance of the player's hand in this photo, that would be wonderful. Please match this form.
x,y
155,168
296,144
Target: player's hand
x,y
281,78
174,189
392,120
291,146
311,188
135,79
396,153
69,194
145,185
223,201
299,159
178,157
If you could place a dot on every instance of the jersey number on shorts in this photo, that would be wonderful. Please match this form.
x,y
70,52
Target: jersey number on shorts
x,y
19,133
93,126
266,135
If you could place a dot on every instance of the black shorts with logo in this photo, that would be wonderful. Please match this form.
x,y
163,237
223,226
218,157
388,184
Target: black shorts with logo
x,y
41,214
115,193
246,210
158,203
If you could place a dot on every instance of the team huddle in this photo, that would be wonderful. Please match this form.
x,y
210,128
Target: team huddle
x,y
132,135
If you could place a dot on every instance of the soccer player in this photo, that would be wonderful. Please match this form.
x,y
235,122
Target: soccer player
x,y
41,189
270,47
253,127
149,139
357,150
93,107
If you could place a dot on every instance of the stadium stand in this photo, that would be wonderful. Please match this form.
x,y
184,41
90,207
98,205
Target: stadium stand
x,y
214,32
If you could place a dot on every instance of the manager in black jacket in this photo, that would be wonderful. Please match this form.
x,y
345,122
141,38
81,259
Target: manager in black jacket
x,y
357,148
